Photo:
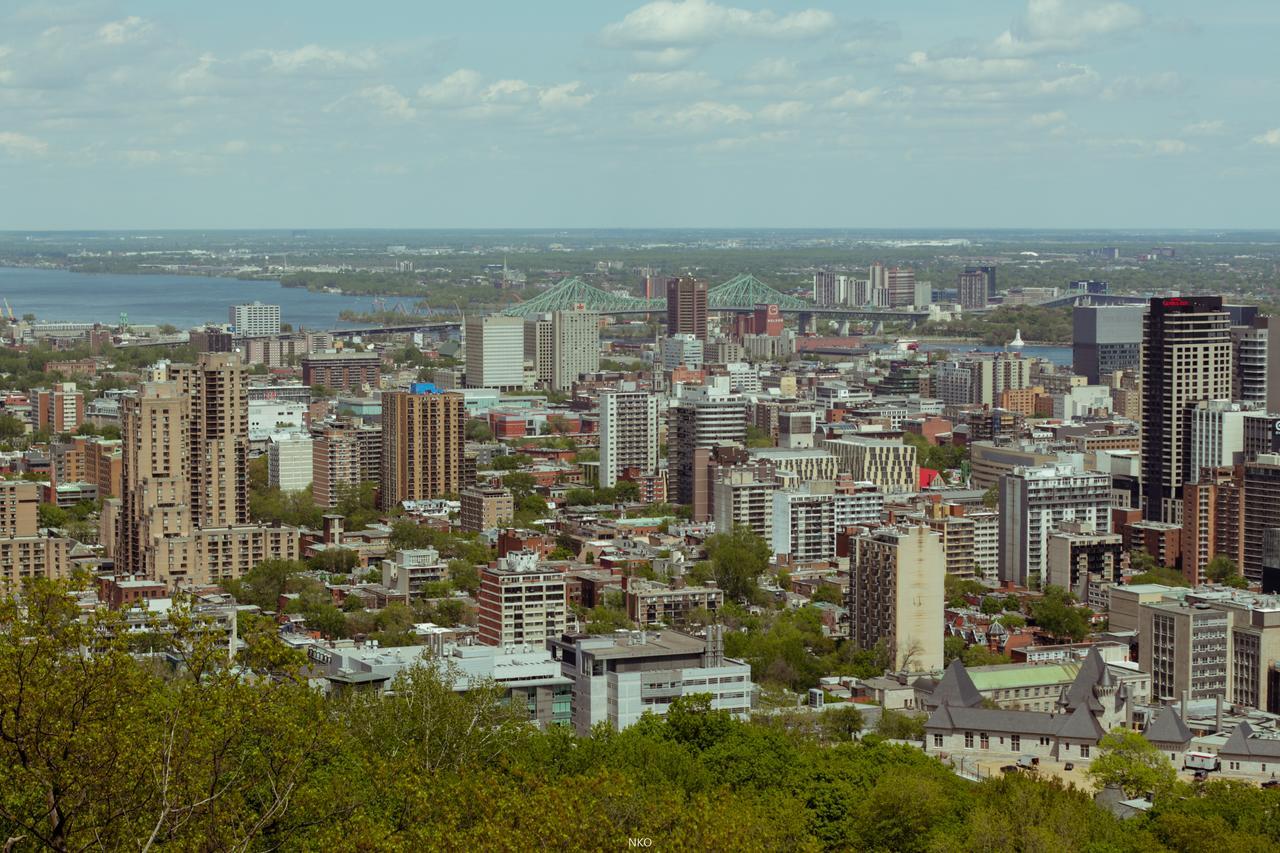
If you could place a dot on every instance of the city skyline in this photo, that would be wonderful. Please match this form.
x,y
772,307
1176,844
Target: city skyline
x,y
1125,115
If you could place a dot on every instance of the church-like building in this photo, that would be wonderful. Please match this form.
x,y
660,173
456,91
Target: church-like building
x,y
1092,705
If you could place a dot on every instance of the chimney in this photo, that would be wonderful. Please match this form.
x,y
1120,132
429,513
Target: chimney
x,y
1218,716
1186,695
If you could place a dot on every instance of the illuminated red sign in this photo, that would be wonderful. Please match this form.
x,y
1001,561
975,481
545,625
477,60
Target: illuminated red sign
x,y
1176,302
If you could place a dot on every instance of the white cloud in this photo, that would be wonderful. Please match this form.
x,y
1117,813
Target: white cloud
x,y
467,90
695,22
1204,128
457,89
126,30
388,100
21,145
564,96
667,57
1172,146
1143,86
784,112
234,146
851,98
1050,26
766,70
697,117
962,69
1048,119
314,58
1270,137
662,82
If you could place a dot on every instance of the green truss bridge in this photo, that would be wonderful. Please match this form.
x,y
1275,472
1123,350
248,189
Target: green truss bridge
x,y
739,294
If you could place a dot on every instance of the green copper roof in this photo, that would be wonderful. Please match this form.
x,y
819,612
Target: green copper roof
x,y
1012,676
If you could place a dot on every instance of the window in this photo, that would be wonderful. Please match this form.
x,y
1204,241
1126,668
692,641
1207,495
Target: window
x,y
1084,750
937,741
968,740
984,741
1044,741
1015,742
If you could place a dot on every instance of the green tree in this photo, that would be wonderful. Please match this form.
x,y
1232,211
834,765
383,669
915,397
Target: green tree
x,y
478,430
51,515
899,725
738,558
1056,614
1128,760
842,722
1220,568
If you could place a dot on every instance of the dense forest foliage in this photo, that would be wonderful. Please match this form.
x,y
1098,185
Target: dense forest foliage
x,y
101,748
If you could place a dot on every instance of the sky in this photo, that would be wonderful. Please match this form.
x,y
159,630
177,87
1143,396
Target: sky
x,y
608,114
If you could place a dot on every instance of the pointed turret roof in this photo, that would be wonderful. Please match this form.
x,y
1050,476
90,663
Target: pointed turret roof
x,y
956,689
1093,673
1167,727
1081,725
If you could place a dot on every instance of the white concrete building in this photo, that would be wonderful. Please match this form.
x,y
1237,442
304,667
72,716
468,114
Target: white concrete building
x,y
804,523
271,417
628,432
1033,502
682,351
494,349
1217,436
617,678
575,347
289,462
255,320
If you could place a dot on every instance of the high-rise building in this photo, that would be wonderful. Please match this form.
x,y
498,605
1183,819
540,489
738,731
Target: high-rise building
x,y
1185,648
975,287
1215,438
1250,361
979,380
422,444
1033,502
804,523
342,371
900,285
1186,358
575,346
25,554
183,515
521,602
825,288
896,595
1105,339
1212,520
628,433
495,352
255,320
539,351
687,307
59,409
889,463
1261,510
336,464
289,463
743,499
702,418
682,351
485,508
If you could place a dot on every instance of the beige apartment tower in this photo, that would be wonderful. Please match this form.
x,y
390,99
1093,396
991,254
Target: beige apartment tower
x,y
896,595
422,444
183,514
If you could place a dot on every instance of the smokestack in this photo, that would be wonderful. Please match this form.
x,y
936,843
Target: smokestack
x,y
1218,715
1186,694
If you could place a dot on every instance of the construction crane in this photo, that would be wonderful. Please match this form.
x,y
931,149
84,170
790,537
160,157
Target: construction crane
x,y
9,311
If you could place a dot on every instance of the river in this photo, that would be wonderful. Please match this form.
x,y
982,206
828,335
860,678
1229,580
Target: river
x,y
182,300
1055,355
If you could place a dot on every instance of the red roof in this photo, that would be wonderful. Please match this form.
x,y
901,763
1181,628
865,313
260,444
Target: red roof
x,y
927,476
